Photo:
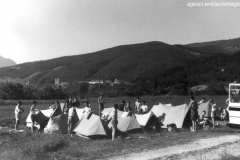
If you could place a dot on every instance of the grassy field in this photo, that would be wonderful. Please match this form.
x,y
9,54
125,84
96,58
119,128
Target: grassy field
x,y
29,145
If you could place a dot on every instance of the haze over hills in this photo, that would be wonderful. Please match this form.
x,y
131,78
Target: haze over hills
x,y
151,60
5,62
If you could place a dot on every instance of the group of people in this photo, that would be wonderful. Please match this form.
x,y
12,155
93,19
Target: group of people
x,y
202,120
139,108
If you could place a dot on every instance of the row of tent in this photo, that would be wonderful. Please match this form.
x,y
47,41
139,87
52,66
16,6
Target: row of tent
x,y
92,125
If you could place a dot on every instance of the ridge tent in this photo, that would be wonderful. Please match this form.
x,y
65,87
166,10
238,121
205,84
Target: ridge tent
x,y
148,119
92,127
205,107
57,111
47,112
169,104
127,123
80,113
57,123
40,119
107,111
171,114
78,116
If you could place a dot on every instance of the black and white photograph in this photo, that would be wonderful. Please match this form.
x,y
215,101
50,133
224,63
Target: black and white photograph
x,y
119,79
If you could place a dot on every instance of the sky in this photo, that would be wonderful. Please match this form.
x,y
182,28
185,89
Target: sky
x,y
33,30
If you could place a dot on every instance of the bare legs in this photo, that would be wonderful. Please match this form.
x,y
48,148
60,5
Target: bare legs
x,y
213,122
17,123
194,126
113,133
32,127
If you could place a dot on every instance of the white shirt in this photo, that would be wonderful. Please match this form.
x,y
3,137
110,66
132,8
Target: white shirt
x,y
86,109
138,105
71,112
144,108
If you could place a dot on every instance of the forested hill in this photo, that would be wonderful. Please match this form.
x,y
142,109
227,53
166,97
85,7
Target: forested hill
x,y
144,60
224,46
167,65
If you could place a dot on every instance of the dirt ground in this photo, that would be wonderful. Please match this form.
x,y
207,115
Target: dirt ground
x,y
209,148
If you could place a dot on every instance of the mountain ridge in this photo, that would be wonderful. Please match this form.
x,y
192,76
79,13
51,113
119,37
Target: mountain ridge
x,y
5,62
148,60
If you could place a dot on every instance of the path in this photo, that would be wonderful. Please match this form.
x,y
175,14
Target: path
x,y
209,148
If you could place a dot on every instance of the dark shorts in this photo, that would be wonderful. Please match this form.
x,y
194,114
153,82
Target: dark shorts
x,y
194,115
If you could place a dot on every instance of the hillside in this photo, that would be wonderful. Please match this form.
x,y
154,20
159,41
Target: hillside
x,y
143,61
166,65
5,62
224,46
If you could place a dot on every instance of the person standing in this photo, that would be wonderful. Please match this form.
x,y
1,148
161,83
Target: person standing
x,y
121,106
194,113
137,105
32,115
128,107
144,108
100,104
18,112
113,117
71,114
65,108
213,112
87,108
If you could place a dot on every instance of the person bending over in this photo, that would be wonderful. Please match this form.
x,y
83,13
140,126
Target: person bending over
x,y
224,115
202,120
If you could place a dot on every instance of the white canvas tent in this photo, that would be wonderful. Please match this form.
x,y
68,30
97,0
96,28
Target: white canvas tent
x,y
147,119
92,126
57,123
126,123
171,114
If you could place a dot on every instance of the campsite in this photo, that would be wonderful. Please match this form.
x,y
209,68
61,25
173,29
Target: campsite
x,y
27,145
